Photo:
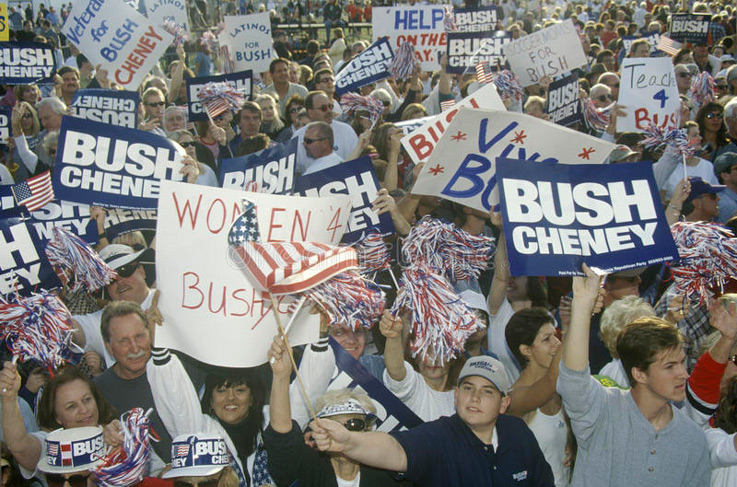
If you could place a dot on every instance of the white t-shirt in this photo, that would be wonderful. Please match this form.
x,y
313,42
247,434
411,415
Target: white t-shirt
x,y
704,169
425,402
497,341
344,141
324,162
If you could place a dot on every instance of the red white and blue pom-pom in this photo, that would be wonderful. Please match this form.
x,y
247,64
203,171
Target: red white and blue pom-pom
x,y
349,299
220,97
449,19
72,256
177,29
703,89
449,250
404,63
373,254
210,40
126,465
677,139
508,85
352,102
595,118
37,328
707,259
441,321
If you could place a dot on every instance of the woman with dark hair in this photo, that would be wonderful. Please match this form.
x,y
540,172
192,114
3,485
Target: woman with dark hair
x,y
69,400
712,129
531,336
721,438
231,407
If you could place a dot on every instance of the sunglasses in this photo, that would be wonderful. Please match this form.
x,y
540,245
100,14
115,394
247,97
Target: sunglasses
x,y
713,115
156,103
188,144
386,103
355,424
127,270
310,141
324,108
26,116
295,109
603,98
57,480
200,483
721,87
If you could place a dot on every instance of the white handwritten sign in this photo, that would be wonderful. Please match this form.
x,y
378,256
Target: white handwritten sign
x,y
648,90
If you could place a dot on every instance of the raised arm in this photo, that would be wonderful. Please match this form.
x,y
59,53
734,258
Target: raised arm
x,y
375,449
575,346
279,412
391,328
498,292
25,448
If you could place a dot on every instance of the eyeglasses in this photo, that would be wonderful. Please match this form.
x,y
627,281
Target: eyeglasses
x,y
603,98
684,75
57,480
190,143
324,108
153,104
713,115
295,109
26,116
127,270
310,141
386,103
355,424
200,483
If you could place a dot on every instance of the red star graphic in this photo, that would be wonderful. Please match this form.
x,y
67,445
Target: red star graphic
x,y
586,152
459,136
436,170
519,137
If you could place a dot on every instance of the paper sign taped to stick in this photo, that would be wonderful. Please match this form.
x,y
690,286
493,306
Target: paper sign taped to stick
x,y
558,216
112,166
422,26
24,267
481,19
212,310
241,82
248,39
272,169
358,180
115,35
466,50
26,63
420,142
368,67
649,92
114,107
548,52
462,166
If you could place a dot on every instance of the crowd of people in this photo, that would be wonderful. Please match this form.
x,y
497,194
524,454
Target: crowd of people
x,y
580,381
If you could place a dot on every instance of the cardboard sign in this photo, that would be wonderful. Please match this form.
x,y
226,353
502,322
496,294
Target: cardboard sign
x,y
24,267
112,166
115,35
273,169
564,106
5,129
557,216
652,39
160,12
548,52
648,89
248,41
368,67
420,25
114,107
692,28
212,311
482,19
240,81
420,143
462,166
391,413
409,126
4,23
358,180
26,63
466,50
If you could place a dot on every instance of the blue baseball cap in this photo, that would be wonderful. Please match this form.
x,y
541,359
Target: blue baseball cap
x,y
197,455
700,187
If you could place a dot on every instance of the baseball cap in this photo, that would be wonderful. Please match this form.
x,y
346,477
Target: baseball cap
x,y
700,187
118,255
489,368
197,455
72,450
724,162
349,406
620,153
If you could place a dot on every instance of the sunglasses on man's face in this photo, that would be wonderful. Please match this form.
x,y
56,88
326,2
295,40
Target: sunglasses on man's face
x,y
201,483
190,143
127,270
57,480
355,424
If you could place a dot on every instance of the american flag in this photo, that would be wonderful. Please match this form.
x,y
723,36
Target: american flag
x,y
35,192
216,107
182,450
293,267
483,72
245,227
66,455
668,45
52,449
446,105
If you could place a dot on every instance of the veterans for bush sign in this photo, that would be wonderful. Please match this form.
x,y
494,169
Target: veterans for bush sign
x,y
558,216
